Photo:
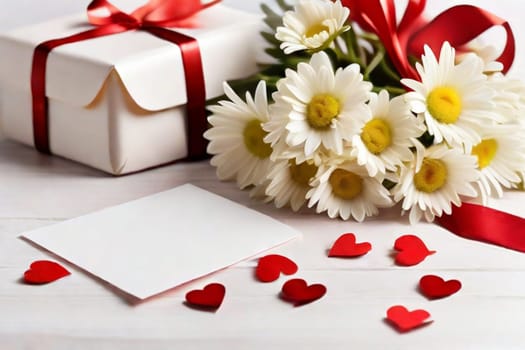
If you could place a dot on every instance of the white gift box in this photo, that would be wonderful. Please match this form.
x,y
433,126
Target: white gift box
x,y
117,103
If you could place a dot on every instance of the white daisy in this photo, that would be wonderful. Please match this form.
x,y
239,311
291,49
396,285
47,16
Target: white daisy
x,y
236,137
313,25
431,185
316,108
500,157
488,53
509,98
455,100
276,128
386,137
346,190
289,183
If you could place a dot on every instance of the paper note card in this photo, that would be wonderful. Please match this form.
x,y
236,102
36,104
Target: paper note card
x,y
153,244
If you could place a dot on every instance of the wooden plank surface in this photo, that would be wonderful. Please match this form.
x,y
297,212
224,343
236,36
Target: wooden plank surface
x,y
79,312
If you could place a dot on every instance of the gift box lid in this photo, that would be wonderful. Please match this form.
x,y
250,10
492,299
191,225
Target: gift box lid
x,y
150,68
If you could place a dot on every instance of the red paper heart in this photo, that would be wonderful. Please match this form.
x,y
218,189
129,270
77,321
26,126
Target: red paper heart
x,y
346,247
271,266
210,296
44,271
434,287
412,250
405,320
299,292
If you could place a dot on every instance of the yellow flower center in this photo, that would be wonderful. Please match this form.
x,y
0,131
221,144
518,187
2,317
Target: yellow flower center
x,y
253,139
321,110
376,135
345,184
444,104
315,29
432,176
302,173
485,150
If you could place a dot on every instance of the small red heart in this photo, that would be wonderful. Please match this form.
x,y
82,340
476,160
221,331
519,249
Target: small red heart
x,y
412,250
434,287
44,271
405,320
210,296
271,266
299,292
346,247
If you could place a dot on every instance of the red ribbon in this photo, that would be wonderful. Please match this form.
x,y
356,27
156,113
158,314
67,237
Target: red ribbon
x,y
487,225
152,18
414,31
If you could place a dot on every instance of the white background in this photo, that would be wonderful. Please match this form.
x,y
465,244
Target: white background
x,y
22,12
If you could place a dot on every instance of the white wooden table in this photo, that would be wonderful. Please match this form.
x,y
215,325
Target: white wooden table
x,y
78,312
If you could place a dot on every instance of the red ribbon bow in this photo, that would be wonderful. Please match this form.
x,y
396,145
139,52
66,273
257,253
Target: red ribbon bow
x,y
152,18
414,31
156,13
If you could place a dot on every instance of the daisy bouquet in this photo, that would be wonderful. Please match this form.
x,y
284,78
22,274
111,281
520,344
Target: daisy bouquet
x,y
356,112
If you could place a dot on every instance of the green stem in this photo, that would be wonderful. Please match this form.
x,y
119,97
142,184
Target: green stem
x,y
378,58
389,72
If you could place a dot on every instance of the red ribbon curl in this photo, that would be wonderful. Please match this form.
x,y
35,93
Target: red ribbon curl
x,y
414,31
152,18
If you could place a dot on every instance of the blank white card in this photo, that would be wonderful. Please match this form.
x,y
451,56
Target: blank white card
x,y
153,244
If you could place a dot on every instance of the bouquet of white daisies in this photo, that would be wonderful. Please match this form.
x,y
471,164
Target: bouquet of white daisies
x,y
332,124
